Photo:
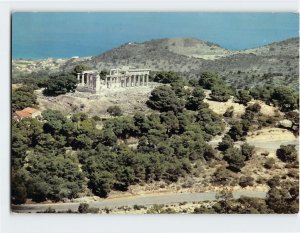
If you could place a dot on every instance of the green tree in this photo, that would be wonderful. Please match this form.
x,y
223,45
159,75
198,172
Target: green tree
x,y
82,141
236,131
170,121
208,80
60,84
163,99
142,124
226,143
254,108
114,111
179,89
124,176
234,158
243,96
195,100
247,150
19,146
101,183
166,77
108,137
23,97
54,121
225,198
287,153
210,122
220,93
83,208
284,199
80,68
285,98
229,112
39,189
19,183
53,176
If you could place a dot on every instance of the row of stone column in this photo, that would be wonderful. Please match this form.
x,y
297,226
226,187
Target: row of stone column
x,y
88,80
93,82
129,81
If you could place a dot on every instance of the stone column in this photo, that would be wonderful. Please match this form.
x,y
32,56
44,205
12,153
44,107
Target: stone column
x,y
139,80
105,81
119,81
78,77
94,82
82,79
143,78
129,81
147,79
98,84
110,82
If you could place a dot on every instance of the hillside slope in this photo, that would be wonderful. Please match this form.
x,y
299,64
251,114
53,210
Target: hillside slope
x,y
276,63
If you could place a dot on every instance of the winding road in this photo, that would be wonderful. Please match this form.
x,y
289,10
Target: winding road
x,y
135,200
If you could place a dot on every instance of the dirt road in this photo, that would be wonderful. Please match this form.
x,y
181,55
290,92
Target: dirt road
x,y
135,200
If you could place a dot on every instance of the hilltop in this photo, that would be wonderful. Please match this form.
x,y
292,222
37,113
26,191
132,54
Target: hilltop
x,y
276,63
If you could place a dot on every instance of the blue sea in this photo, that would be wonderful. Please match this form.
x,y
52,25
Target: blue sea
x,y
64,35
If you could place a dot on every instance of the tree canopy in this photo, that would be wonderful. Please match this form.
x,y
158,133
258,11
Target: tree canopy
x,y
23,97
60,84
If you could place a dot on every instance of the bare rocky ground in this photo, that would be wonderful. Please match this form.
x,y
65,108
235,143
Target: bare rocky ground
x,y
129,99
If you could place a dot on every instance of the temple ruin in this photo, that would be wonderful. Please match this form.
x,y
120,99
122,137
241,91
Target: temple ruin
x,y
91,81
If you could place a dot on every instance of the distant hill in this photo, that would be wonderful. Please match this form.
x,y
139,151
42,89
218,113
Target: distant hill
x,y
276,63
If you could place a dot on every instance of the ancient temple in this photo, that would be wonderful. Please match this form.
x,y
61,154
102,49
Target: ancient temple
x,y
91,80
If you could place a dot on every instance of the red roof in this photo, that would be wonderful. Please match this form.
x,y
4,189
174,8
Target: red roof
x,y
30,110
26,112
23,114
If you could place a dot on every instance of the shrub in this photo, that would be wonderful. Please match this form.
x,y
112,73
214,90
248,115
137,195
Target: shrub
x,y
220,93
222,176
114,111
254,107
246,181
138,207
50,210
269,163
236,131
274,182
229,112
226,143
93,210
203,210
243,97
235,159
83,208
284,199
287,153
247,150
166,77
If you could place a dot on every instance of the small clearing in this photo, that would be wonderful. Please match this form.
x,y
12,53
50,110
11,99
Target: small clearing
x,y
130,99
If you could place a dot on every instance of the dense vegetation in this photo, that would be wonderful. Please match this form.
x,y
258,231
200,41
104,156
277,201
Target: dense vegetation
x,y
60,84
23,97
281,96
68,156
168,142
